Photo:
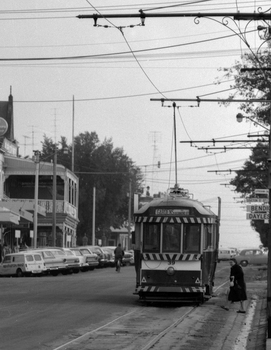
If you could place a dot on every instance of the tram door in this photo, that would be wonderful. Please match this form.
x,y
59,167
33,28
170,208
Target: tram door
x,y
209,257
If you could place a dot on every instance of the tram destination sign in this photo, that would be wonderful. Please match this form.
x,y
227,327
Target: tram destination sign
x,y
170,212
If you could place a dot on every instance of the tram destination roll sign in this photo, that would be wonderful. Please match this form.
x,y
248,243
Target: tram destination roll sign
x,y
168,212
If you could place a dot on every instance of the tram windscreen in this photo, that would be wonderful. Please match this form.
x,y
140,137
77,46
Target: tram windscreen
x,y
151,238
171,238
191,238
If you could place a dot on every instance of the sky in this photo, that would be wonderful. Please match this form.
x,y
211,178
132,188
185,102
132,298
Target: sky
x,y
117,76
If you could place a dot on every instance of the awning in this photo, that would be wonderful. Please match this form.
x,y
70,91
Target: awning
x,y
8,217
24,208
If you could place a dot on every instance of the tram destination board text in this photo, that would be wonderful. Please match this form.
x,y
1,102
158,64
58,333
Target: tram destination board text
x,y
181,212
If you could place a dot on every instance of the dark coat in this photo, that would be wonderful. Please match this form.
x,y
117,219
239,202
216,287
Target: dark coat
x,y
238,291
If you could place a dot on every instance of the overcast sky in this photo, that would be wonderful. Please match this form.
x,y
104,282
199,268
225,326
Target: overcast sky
x,y
48,56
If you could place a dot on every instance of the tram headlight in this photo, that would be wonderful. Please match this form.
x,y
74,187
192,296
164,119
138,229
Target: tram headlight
x,y
170,271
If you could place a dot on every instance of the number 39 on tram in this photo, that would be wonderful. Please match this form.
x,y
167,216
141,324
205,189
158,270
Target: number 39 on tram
x,y
176,247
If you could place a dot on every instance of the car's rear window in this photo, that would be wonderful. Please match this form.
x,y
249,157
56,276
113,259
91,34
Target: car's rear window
x,y
47,255
85,251
68,252
58,252
37,257
77,252
29,258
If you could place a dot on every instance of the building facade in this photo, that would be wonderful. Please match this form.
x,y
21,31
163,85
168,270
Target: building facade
x,y
27,191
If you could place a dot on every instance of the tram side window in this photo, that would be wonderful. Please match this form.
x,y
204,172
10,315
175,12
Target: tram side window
x,y
191,239
207,238
151,238
171,238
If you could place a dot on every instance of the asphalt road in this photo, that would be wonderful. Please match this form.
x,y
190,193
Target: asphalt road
x,y
42,312
97,310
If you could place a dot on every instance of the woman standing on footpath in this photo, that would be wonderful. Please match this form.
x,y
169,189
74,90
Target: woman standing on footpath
x,y
237,290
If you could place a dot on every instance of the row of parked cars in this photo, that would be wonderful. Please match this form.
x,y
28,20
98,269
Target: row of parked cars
x,y
244,257
49,260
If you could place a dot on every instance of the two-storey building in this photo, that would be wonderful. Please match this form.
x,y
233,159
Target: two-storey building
x,y
19,194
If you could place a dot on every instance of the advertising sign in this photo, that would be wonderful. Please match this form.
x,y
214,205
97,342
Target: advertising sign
x,y
3,126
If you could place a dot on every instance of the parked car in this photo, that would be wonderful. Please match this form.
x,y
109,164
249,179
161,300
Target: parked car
x,y
110,252
103,257
71,260
226,254
128,256
22,264
90,259
251,256
53,264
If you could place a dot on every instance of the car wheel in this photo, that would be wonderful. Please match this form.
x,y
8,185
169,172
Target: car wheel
x,y
76,270
54,273
244,263
19,273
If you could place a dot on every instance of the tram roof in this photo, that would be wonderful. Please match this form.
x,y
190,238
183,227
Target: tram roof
x,y
175,202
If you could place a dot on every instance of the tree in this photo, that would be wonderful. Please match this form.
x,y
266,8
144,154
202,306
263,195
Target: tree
x,y
254,175
107,168
253,84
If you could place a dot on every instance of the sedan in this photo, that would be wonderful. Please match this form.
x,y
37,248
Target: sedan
x,y
91,258
251,256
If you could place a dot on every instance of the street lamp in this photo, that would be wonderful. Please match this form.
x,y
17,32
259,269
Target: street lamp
x,y
239,118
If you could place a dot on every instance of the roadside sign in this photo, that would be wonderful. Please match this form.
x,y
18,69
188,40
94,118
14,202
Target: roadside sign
x,y
258,208
257,216
257,200
261,191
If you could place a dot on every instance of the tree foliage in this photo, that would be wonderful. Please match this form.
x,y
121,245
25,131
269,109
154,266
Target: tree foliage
x,y
253,84
108,169
254,175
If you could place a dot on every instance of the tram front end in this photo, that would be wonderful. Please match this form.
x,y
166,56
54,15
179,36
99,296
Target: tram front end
x,y
175,250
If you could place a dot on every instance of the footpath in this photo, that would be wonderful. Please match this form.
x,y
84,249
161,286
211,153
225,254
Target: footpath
x,y
252,326
213,328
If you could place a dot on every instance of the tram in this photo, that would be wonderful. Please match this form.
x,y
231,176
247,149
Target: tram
x,y
176,248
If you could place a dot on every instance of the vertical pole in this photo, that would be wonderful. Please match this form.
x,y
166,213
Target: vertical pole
x,y
36,200
129,214
269,235
93,216
36,195
218,224
73,134
54,199
175,143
